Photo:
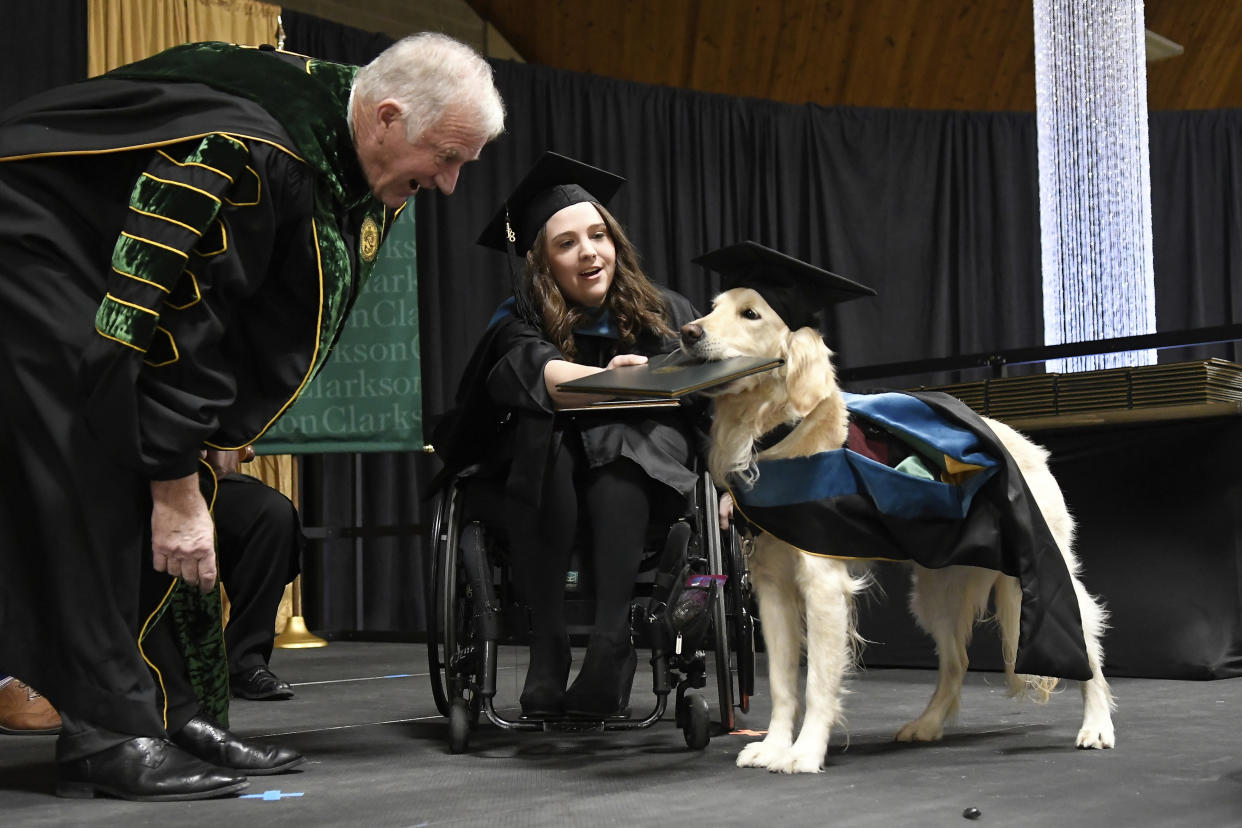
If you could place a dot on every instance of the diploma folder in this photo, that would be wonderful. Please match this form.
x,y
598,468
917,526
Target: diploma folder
x,y
668,376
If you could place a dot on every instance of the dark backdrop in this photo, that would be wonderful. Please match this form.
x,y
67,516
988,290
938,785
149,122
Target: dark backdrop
x,y
42,45
938,211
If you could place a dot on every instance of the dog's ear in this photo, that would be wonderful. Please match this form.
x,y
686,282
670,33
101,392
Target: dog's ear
x,y
809,376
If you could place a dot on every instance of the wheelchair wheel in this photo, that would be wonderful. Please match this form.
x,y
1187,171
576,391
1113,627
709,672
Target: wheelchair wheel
x,y
455,665
442,587
461,722
720,624
738,603
697,727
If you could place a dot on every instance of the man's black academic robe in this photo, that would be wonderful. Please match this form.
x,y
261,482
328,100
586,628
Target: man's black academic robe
x,y
180,241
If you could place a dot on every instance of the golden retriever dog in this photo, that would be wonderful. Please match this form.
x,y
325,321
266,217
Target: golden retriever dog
x,y
809,597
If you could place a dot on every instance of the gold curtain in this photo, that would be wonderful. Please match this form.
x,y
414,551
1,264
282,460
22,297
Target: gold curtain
x,y
122,31
280,471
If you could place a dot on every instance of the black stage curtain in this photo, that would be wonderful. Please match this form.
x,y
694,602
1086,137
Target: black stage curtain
x,y
306,34
43,45
1196,196
936,210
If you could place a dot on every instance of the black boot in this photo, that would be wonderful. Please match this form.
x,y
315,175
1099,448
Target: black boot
x,y
543,695
602,688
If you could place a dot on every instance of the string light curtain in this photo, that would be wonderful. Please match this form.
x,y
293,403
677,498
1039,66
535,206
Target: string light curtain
x,y
1094,176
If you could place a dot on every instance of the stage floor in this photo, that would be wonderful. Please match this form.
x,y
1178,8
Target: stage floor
x,y
378,756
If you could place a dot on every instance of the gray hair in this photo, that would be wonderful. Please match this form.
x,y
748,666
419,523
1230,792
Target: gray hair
x,y
427,74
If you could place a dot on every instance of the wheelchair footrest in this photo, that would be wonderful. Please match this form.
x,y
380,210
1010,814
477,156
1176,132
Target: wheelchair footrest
x,y
573,726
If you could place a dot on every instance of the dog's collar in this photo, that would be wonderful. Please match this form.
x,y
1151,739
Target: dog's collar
x,y
768,439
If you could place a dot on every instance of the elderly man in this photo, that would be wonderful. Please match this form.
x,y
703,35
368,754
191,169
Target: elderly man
x,y
180,243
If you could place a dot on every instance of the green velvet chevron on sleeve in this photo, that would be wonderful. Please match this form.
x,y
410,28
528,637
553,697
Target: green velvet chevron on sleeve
x,y
172,208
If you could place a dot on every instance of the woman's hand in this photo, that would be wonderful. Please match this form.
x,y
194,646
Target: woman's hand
x,y
558,371
621,360
182,534
725,509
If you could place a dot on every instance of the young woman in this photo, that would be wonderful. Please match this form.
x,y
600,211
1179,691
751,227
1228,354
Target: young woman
x,y
581,305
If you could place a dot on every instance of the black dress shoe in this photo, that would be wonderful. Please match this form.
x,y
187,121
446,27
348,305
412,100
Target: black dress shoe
x,y
212,743
260,684
145,769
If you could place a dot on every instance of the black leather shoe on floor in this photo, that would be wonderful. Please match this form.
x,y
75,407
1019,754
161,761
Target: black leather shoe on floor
x,y
260,684
212,743
145,769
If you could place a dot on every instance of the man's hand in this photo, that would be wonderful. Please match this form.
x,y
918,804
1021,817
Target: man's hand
x,y
182,534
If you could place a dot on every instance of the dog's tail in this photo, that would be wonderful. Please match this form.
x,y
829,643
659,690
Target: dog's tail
x,y
1007,598
861,582
1036,688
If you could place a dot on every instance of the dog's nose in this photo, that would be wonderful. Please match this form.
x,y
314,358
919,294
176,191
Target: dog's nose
x,y
691,333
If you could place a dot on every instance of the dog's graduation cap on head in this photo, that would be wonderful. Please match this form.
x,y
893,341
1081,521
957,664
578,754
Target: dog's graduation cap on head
x,y
797,291
552,184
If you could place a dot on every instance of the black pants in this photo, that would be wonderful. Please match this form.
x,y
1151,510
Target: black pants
x,y
616,503
259,540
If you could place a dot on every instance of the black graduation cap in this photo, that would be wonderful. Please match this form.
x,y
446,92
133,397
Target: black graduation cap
x,y
797,291
554,183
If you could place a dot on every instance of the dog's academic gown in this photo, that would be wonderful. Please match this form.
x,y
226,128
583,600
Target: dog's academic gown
x,y
504,422
924,479
181,241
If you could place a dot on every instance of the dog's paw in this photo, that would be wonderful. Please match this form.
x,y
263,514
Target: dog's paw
x,y
921,730
761,755
795,761
1095,738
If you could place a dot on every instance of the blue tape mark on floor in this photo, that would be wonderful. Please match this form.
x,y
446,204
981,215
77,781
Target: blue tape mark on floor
x,y
270,796
399,675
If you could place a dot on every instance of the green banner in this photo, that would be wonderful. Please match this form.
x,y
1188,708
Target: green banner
x,y
368,396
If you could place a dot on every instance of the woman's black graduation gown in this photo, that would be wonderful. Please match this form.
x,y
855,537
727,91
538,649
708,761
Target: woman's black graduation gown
x,y
505,424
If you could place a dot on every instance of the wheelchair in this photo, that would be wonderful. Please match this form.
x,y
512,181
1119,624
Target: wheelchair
x,y
472,609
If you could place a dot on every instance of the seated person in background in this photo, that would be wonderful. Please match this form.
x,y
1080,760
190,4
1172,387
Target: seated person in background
x,y
23,709
581,304
259,543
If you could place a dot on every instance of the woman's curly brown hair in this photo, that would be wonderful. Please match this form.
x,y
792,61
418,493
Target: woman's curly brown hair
x,y
635,302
